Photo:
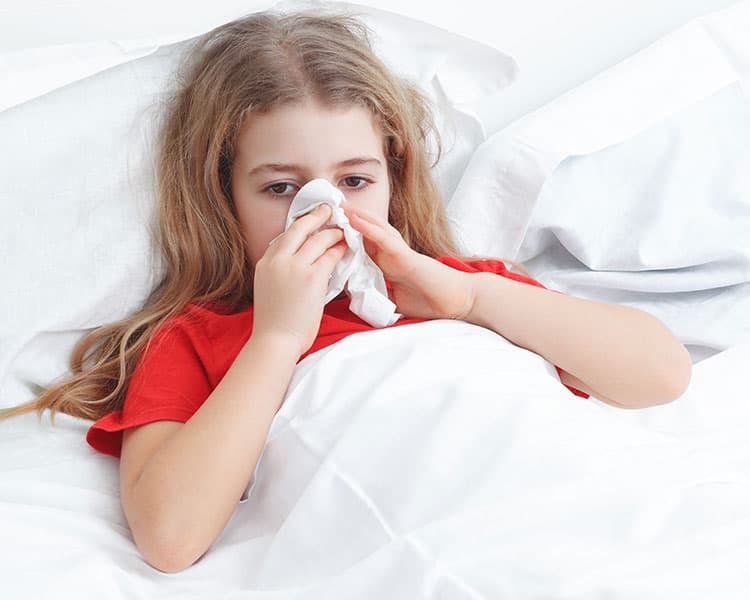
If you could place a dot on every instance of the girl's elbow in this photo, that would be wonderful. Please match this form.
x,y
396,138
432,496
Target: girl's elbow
x,y
669,383
674,380
681,376
166,563
165,550
168,559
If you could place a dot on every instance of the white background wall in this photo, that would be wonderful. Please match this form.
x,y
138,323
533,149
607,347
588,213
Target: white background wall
x,y
557,43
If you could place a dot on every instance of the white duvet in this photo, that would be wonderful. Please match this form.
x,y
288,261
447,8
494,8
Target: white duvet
x,y
434,460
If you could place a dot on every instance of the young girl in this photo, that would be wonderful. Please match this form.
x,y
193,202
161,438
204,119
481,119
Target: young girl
x,y
184,391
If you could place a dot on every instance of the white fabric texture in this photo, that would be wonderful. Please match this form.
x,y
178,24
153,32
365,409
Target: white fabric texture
x,y
634,188
355,273
426,461
74,225
433,461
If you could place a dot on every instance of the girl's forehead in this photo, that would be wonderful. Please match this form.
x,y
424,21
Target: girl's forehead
x,y
312,108
309,126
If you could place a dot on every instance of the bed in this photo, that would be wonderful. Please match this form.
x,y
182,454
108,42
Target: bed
x,y
456,466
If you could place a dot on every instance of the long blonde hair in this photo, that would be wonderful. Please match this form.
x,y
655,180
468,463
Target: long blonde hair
x,y
254,63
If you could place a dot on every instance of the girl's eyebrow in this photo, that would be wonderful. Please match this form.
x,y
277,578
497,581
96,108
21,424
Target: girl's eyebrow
x,y
274,167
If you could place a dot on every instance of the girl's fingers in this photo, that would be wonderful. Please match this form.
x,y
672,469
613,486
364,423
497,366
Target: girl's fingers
x,y
331,257
318,243
370,217
371,231
291,240
360,218
364,214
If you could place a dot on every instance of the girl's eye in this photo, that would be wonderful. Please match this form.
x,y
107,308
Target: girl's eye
x,y
353,180
284,188
278,189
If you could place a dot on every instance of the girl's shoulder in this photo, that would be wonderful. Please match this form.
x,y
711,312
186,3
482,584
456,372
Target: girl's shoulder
x,y
474,264
477,264
214,309
209,319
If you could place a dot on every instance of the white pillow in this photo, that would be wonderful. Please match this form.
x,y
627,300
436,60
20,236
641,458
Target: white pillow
x,y
78,188
37,71
634,188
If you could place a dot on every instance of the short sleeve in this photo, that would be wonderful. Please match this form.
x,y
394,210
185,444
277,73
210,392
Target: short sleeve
x,y
488,265
170,382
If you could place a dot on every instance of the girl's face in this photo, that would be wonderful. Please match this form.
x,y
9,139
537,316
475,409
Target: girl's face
x,y
280,151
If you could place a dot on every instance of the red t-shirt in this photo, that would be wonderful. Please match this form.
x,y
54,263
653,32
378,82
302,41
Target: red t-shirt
x,y
188,359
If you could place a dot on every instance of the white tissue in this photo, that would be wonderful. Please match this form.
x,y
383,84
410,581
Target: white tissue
x,y
356,271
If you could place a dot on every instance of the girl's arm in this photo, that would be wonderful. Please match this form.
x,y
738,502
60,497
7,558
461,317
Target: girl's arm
x,y
179,490
616,353
180,484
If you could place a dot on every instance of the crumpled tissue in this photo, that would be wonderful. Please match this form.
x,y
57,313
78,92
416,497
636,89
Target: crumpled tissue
x,y
356,273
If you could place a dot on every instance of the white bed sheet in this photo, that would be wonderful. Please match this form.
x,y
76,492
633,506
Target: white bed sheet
x,y
456,465
569,498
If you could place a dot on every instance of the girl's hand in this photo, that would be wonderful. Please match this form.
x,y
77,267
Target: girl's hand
x,y
291,280
422,287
